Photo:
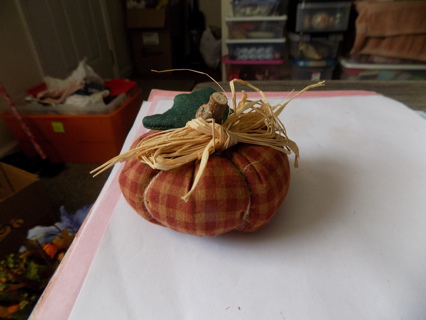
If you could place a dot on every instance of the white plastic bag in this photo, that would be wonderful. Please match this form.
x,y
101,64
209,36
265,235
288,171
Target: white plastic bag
x,y
95,100
83,73
210,49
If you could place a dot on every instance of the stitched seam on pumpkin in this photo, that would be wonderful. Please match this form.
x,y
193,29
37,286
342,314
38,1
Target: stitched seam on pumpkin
x,y
247,213
250,164
145,192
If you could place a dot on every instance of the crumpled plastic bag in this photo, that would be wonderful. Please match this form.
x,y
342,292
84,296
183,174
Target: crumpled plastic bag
x,y
71,222
83,73
86,101
62,91
210,49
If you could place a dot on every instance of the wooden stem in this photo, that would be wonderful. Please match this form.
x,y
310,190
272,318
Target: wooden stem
x,y
214,108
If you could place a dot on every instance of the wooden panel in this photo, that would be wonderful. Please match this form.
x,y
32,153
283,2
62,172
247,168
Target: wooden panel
x,y
65,32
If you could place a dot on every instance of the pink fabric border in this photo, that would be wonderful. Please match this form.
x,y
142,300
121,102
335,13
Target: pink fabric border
x,y
59,297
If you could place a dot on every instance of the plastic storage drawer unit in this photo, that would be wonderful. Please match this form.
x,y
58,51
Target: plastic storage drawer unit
x,y
312,70
255,27
253,70
256,49
322,16
250,8
370,71
314,47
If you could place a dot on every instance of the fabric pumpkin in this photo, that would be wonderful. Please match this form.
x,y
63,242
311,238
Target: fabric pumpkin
x,y
210,177
240,189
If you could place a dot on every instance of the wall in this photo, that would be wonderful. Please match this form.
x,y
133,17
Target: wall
x,y
116,15
212,12
19,68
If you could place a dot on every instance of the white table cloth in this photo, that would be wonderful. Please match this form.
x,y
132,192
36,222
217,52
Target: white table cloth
x,y
349,241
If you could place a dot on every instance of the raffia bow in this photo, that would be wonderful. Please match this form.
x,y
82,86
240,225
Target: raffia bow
x,y
252,122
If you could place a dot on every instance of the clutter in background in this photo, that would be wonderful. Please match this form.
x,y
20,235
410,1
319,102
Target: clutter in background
x,y
88,126
377,32
368,68
255,40
25,274
83,92
322,16
384,49
86,138
171,34
210,48
316,30
24,204
83,82
255,8
58,90
67,221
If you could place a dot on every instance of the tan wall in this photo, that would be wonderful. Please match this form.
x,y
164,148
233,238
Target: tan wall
x,y
212,12
18,65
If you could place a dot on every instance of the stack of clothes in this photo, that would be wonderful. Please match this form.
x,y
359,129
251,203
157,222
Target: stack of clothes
x,y
390,31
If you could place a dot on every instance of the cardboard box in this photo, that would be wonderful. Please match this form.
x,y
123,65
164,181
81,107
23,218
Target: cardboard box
x,y
146,18
23,205
78,138
152,49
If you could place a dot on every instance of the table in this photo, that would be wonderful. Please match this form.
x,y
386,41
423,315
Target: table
x,y
347,243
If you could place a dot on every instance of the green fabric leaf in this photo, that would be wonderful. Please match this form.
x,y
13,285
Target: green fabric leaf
x,y
184,108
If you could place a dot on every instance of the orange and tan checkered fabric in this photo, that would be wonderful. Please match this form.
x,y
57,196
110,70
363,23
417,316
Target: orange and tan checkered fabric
x,y
241,188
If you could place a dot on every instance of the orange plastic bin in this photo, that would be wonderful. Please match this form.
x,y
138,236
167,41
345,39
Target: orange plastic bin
x,y
78,138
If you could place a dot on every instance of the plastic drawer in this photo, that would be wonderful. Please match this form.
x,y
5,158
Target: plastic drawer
x,y
322,16
253,70
312,70
256,49
314,47
255,27
250,8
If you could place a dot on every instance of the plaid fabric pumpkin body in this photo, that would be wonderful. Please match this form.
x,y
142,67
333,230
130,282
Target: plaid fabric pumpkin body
x,y
240,189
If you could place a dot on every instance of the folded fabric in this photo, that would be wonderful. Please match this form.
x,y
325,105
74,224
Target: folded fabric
x,y
391,18
391,29
411,47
